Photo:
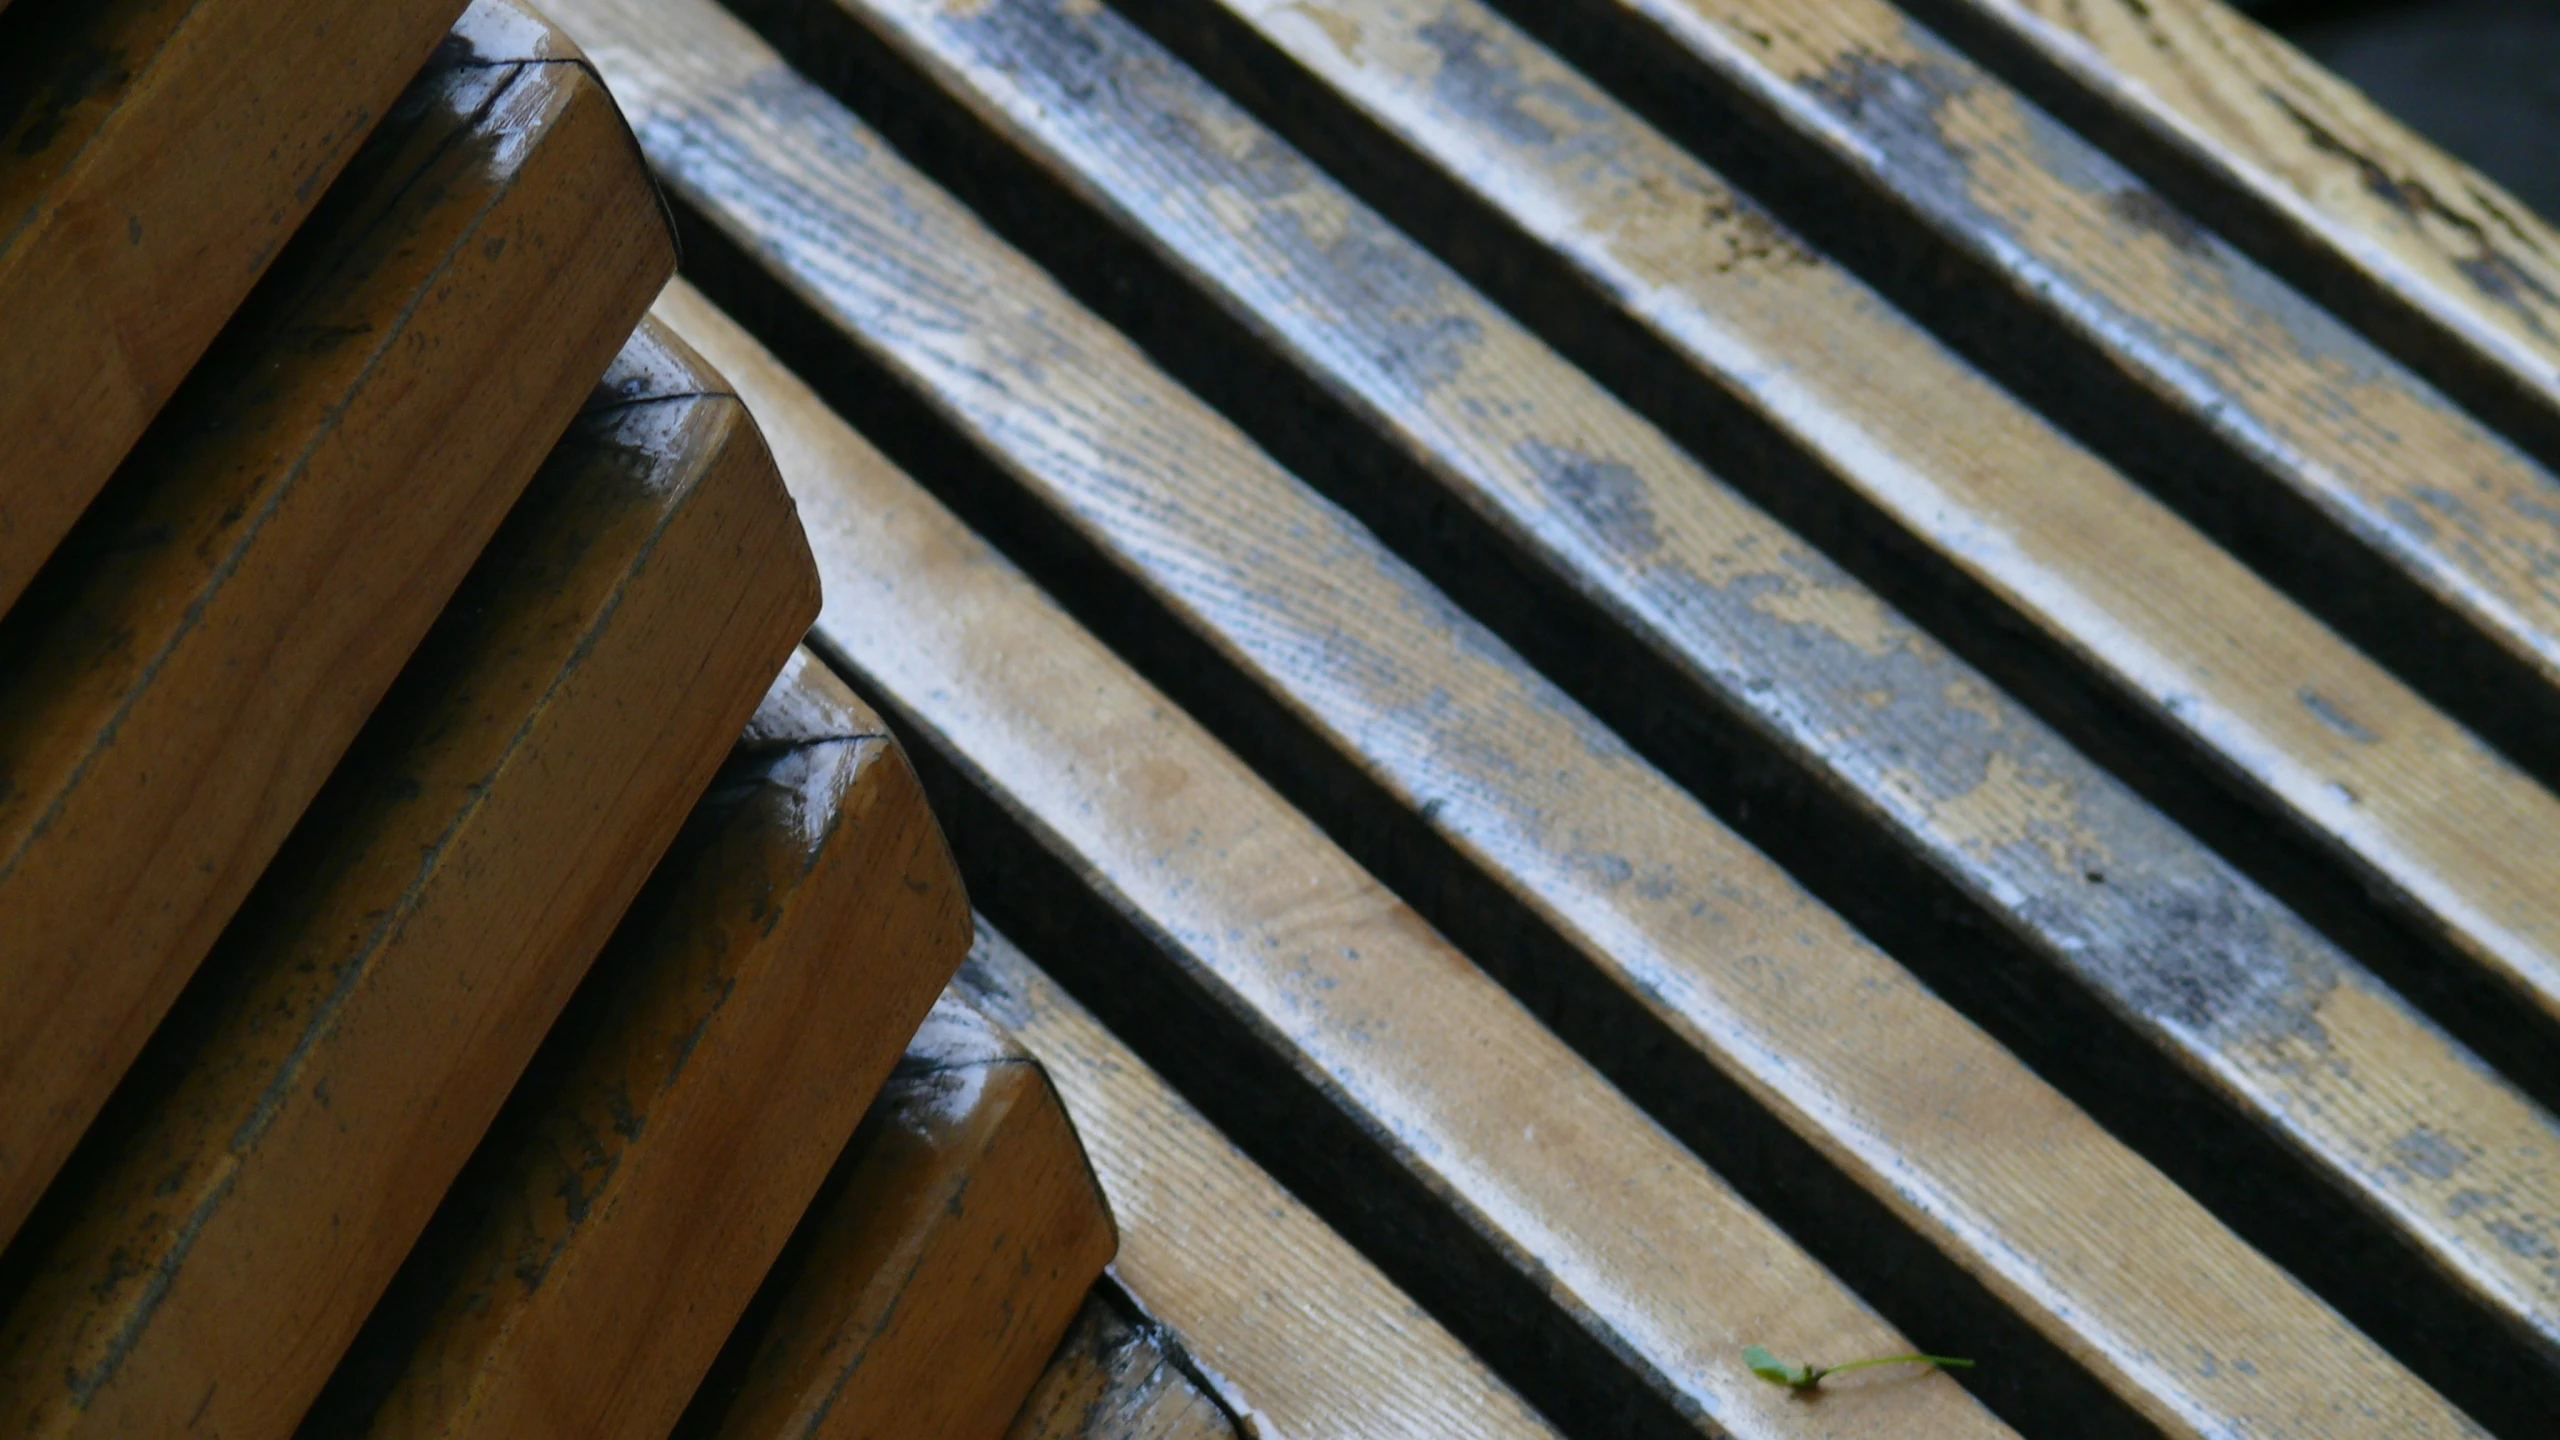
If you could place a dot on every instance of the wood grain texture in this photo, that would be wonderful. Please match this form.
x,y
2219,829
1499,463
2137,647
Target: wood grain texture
x,y
1660,911
363,1018
2367,494
154,155
223,621
585,1271
1115,1378
2426,255
952,1249
2058,541
1300,1334
1292,991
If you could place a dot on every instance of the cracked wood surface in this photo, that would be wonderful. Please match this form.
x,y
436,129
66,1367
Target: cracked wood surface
x,y
2427,538
2427,255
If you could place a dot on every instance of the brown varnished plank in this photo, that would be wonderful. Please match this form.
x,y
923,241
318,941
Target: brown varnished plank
x,y
929,1285
1464,741
154,154
2412,527
583,1274
1302,1334
1115,1378
1337,1032
239,1210
2111,574
222,622
2426,255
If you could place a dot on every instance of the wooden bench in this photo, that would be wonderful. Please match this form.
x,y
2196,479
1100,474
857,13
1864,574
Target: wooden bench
x,y
2075,925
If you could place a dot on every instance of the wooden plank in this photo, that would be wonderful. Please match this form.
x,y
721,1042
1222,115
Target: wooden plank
x,y
2428,257
1301,1334
952,1249
1115,1378
2410,526
1457,746
154,154
2111,576
238,1211
1309,1011
2314,768
581,1277
223,621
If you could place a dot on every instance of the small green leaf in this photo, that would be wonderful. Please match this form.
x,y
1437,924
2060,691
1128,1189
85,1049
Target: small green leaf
x,y
1804,1377
1776,1371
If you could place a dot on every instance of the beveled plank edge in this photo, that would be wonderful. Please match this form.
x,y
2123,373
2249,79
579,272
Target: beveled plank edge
x,y
1978,311
2274,1198
2429,329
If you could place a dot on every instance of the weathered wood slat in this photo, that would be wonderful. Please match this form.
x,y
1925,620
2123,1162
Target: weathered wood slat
x,y
2430,258
932,1280
237,1212
1303,1335
1232,548
220,625
2409,525
1307,1333
153,156
582,1275
2308,764
1115,1378
1314,1016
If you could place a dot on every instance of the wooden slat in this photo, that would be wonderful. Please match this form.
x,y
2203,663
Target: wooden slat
x,y
930,1283
240,1208
220,625
154,154
1464,742
2412,527
581,1277
2310,765
2430,258
1114,1378
1302,1334
1307,1009
2110,574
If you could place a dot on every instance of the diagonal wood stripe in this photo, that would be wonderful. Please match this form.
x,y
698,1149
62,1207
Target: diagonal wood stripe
x,y
1311,1013
154,157
2413,528
1304,1332
2430,258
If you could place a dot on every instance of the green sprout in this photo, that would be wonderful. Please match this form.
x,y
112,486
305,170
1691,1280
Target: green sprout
x,y
1804,1377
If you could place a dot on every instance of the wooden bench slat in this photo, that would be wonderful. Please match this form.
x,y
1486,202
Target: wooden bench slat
x,y
585,1271
2410,526
153,157
2305,762
1118,1379
1301,1333
238,1211
1232,547
1311,1013
931,1280
2431,259
1306,1332
218,628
